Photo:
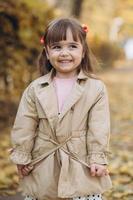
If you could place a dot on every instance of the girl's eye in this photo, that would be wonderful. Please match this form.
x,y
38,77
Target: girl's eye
x,y
56,47
73,46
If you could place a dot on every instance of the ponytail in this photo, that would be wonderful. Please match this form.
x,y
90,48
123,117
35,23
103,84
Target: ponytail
x,y
44,65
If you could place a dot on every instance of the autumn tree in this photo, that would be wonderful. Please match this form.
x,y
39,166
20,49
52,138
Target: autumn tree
x,y
77,8
22,23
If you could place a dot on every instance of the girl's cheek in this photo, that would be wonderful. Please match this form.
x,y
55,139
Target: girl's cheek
x,y
54,54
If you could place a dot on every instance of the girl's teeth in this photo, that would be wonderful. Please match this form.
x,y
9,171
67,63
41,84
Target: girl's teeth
x,y
66,61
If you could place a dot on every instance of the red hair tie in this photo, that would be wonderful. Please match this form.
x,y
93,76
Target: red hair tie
x,y
42,40
85,28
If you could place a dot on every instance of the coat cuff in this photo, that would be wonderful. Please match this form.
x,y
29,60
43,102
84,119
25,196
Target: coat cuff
x,y
98,158
20,157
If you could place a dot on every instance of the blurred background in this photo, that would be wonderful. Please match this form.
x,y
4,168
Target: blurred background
x,y
110,37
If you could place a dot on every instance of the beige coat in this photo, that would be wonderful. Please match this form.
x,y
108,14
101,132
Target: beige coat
x,y
62,146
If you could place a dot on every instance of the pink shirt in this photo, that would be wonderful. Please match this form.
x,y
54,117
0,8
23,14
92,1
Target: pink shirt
x,y
63,87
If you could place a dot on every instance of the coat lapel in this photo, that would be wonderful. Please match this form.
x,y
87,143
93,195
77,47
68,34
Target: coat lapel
x,y
48,100
47,97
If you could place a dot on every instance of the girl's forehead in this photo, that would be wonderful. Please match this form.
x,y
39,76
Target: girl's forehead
x,y
63,35
69,38
69,35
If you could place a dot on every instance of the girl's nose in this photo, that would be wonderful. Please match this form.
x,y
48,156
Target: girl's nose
x,y
64,52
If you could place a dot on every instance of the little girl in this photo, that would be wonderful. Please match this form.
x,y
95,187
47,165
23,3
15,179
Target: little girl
x,y
61,131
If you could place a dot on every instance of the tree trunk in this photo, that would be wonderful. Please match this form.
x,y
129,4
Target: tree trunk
x,y
77,7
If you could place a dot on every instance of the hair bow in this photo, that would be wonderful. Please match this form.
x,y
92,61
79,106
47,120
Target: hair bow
x,y
85,28
42,40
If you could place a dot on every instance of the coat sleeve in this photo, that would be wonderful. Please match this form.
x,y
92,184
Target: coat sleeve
x,y
99,129
24,128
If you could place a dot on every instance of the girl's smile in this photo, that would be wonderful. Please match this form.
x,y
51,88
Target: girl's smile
x,y
65,56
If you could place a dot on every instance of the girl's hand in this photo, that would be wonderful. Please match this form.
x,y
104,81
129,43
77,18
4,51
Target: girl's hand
x,y
24,170
98,170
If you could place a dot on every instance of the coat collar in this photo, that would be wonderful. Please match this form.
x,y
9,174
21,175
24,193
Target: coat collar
x,y
47,94
48,77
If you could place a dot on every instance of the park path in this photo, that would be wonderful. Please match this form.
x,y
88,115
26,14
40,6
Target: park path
x,y
15,197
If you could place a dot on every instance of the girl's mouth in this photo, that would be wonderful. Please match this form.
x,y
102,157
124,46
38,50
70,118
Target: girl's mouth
x,y
65,61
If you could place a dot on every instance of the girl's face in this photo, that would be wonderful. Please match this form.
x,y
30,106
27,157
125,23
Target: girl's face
x,y
65,56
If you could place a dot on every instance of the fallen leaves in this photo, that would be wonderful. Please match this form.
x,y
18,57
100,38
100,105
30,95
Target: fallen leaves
x,y
8,173
119,84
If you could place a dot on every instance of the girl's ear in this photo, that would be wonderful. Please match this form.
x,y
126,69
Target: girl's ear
x,y
46,52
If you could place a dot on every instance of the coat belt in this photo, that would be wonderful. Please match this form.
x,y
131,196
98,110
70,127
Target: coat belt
x,y
58,146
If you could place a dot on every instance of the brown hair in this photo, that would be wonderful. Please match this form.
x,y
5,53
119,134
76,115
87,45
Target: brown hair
x,y
55,32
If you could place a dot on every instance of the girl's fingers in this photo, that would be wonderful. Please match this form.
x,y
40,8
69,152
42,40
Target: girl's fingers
x,y
106,172
19,167
102,172
93,170
26,170
99,172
